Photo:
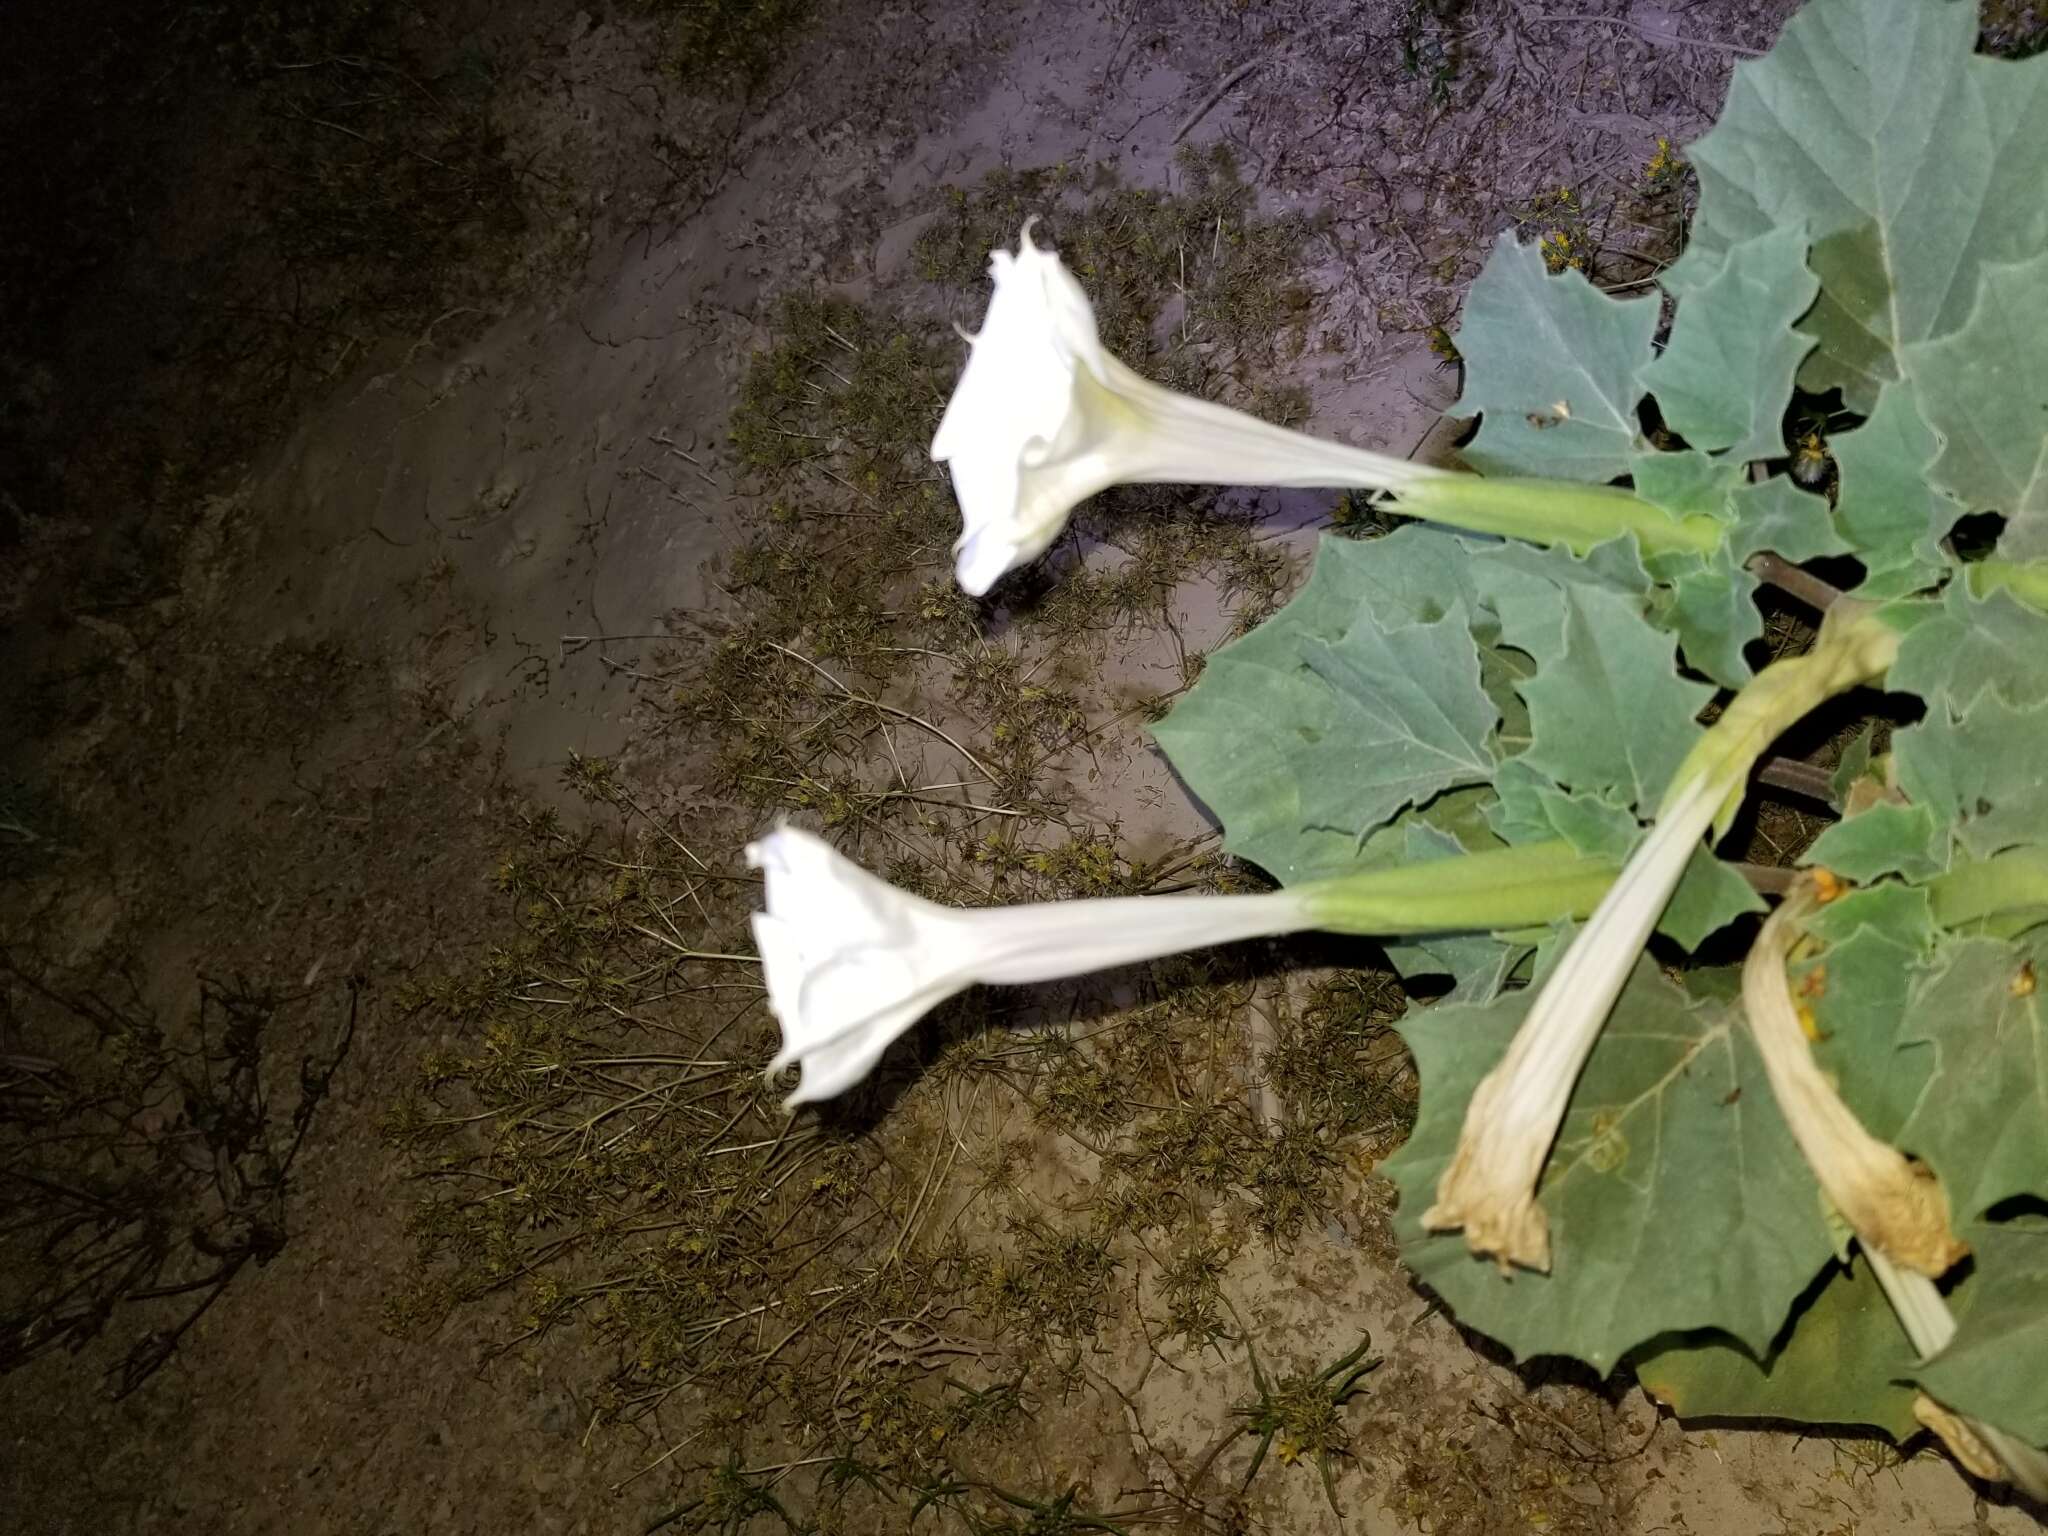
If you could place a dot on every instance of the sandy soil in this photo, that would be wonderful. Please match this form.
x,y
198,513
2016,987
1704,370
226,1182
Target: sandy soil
x,y
293,764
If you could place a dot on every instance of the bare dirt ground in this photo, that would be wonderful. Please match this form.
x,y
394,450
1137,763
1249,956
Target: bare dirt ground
x,y
307,616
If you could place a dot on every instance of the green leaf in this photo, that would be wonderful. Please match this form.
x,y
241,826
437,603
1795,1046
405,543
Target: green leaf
x,y
1524,585
1884,840
1984,775
1971,645
1707,599
1845,1360
1858,989
1912,164
1710,895
1236,737
1611,713
1405,719
1982,1120
1411,576
1713,609
1676,1196
1552,364
1725,378
1993,1368
1687,483
1842,1360
1984,388
1900,912
1534,809
1890,517
1775,514
1854,764
1363,694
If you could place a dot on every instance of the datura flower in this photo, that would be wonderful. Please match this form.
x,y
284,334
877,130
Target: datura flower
x,y
1893,1205
1044,417
1490,1188
851,962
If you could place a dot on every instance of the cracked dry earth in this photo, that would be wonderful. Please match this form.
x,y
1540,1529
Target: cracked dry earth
x,y
447,572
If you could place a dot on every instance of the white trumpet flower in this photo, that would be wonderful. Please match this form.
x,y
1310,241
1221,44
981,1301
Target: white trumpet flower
x,y
1489,1189
1044,417
851,962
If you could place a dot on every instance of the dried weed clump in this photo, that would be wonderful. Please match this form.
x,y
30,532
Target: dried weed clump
x,y
899,1304
139,1179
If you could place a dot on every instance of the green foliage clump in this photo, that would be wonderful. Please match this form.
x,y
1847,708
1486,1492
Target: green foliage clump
x,y
1839,398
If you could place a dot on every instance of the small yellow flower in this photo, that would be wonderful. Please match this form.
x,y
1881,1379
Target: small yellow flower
x,y
1664,165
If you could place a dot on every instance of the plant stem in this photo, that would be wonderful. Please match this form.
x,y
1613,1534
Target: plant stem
x,y
1555,512
1808,779
2025,580
1794,582
2007,893
1497,889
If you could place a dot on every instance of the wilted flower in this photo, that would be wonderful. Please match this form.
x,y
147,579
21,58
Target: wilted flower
x,y
1489,1189
1893,1205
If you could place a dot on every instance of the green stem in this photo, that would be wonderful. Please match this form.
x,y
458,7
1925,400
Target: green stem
x,y
2025,580
2003,895
1556,512
1530,886
1857,643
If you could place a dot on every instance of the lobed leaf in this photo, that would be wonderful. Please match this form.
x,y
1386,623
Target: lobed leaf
x,y
1994,1367
1886,839
1404,719
1554,365
1611,713
1984,388
1776,515
1972,644
1857,993
1983,774
1236,737
1912,163
1981,1121
1842,1360
1885,508
1725,377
